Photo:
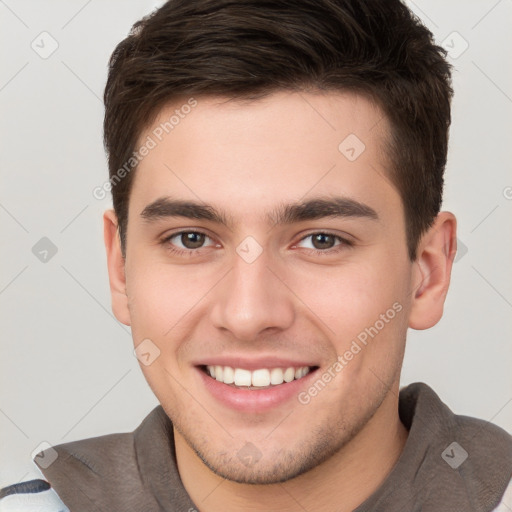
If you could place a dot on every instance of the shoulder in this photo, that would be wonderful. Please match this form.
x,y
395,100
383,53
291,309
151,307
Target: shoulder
x,y
466,460
113,451
505,505
31,496
486,444
490,441
81,458
116,448
81,469
488,450
108,471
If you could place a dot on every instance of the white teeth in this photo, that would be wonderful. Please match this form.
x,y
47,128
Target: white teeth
x,y
242,377
289,375
276,376
229,375
260,378
301,372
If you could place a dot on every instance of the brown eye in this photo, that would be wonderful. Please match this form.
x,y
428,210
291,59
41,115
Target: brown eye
x,y
323,241
192,240
188,241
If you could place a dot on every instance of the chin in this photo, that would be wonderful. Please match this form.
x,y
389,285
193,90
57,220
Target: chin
x,y
249,465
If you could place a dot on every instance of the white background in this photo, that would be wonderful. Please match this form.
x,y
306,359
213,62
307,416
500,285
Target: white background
x,y
66,369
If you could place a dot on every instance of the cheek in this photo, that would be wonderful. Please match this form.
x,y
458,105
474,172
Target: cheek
x,y
364,317
160,297
150,302
348,298
362,307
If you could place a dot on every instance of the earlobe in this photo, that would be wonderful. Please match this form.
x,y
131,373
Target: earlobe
x,y
116,267
432,272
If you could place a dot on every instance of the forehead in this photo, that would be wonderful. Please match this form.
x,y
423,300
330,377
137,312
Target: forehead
x,y
249,155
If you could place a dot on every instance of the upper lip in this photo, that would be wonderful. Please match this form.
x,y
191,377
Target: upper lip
x,y
253,363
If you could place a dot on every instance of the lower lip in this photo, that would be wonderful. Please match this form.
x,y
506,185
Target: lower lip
x,y
254,400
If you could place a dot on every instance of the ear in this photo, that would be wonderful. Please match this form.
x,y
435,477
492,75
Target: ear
x,y
115,263
432,271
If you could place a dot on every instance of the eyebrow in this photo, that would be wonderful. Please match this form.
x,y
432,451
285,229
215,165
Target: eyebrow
x,y
312,209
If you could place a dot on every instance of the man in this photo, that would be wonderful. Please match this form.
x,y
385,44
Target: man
x,y
276,172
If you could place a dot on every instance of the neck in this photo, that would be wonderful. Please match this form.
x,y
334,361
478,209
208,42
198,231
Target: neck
x,y
342,482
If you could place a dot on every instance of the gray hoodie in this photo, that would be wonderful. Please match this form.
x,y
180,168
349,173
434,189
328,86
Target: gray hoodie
x,y
450,463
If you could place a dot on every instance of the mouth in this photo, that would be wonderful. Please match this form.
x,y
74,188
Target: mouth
x,y
258,379
254,385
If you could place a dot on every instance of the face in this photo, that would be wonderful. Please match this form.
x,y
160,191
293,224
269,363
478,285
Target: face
x,y
266,247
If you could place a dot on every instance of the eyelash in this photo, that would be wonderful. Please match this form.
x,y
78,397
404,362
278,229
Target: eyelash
x,y
343,245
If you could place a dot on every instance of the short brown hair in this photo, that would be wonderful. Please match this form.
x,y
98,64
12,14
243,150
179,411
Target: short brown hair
x,y
248,49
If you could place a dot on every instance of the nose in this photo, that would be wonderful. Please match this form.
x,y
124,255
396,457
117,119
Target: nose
x,y
252,300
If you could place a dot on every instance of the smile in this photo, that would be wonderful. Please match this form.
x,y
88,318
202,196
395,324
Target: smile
x,y
256,379
254,385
